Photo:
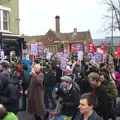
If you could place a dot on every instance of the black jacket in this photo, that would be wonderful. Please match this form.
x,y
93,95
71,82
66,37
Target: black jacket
x,y
103,102
49,78
8,94
85,86
58,74
94,116
70,102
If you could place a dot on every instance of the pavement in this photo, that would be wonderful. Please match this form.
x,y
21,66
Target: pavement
x,y
23,115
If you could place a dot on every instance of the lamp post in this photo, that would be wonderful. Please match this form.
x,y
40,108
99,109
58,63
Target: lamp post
x,y
112,32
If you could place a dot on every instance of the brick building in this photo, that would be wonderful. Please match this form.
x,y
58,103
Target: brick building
x,y
55,41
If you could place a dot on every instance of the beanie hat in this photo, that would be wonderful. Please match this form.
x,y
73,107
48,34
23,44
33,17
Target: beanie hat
x,y
67,79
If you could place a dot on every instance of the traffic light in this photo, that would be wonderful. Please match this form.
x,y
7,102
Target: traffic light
x,y
24,45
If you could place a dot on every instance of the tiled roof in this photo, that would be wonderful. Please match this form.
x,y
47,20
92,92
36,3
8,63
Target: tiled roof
x,y
33,38
62,36
73,36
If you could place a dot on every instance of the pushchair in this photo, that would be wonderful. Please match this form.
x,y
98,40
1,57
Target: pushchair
x,y
54,115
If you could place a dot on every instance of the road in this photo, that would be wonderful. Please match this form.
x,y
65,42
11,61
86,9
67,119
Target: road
x,y
24,116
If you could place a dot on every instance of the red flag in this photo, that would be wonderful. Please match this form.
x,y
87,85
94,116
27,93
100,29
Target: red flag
x,y
73,48
91,47
103,47
118,51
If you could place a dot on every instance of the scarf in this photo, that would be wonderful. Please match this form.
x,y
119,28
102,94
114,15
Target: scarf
x,y
94,89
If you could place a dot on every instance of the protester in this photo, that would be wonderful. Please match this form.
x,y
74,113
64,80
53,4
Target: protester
x,y
70,95
36,94
101,94
88,102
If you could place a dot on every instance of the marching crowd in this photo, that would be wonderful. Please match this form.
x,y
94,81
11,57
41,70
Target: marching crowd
x,y
85,90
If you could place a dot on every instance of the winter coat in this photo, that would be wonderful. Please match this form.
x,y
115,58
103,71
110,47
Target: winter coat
x,y
58,74
10,116
85,86
94,116
103,101
26,79
8,94
70,102
27,62
76,70
111,89
117,77
36,95
49,78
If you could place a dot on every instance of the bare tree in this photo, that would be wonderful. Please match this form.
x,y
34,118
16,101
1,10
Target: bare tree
x,y
113,6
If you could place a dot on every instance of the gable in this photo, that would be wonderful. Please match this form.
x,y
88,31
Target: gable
x,y
50,38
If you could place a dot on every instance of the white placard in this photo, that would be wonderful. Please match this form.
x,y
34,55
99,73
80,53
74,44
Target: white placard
x,y
80,55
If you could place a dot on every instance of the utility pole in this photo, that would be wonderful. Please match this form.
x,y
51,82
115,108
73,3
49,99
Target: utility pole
x,y
112,32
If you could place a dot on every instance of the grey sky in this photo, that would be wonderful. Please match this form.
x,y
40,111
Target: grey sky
x,y
38,16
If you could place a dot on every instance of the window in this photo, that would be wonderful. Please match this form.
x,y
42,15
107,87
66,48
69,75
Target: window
x,y
4,20
0,19
52,48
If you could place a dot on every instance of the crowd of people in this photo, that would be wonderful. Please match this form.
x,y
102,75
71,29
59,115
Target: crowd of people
x,y
85,90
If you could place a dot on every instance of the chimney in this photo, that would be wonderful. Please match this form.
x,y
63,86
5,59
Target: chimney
x,y
57,20
75,30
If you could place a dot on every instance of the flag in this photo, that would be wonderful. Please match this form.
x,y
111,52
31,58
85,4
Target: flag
x,y
73,48
103,48
118,51
91,47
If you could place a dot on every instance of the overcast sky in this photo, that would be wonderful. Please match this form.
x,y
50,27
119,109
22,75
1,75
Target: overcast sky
x,y
38,16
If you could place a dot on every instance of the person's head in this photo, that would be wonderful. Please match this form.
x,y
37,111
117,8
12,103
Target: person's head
x,y
87,102
81,75
94,79
68,70
102,67
104,76
58,64
37,68
3,111
78,62
66,81
5,66
112,69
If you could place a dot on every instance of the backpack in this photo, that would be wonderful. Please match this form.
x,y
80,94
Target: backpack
x,y
16,85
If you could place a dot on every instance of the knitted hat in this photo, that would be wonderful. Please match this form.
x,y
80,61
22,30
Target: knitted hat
x,y
67,79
